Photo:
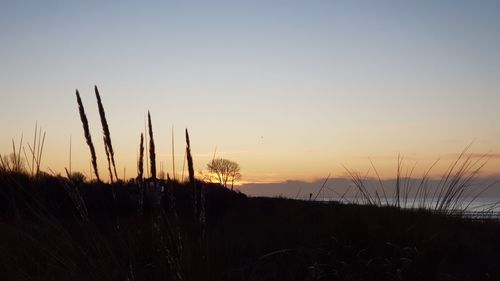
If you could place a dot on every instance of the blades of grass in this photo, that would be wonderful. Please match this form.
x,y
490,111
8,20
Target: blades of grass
x,y
173,155
39,162
360,185
27,161
345,193
409,184
322,186
19,153
446,177
380,182
423,184
34,143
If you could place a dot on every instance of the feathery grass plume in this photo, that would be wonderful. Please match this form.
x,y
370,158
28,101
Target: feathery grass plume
x,y
152,155
140,163
88,137
189,159
107,135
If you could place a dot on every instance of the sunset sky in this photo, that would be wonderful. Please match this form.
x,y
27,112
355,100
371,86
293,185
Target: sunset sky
x,y
288,89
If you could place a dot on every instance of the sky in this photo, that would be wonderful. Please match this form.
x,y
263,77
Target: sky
x,y
291,90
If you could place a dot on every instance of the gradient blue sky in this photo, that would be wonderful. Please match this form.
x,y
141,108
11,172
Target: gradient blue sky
x,y
289,89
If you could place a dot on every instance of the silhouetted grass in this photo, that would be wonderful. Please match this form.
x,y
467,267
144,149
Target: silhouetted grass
x,y
152,154
455,191
55,229
140,162
86,131
107,135
189,159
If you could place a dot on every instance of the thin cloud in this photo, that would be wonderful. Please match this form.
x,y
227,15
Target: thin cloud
x,y
389,157
218,153
487,155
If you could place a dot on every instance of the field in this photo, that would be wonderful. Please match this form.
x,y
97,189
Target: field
x,y
54,228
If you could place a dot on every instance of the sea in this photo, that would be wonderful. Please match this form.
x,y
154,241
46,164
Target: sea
x,y
473,208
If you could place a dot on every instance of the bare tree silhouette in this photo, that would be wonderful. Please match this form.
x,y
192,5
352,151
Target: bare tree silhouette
x,y
224,171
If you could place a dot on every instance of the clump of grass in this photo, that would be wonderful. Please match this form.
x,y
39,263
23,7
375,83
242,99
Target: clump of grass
x,y
152,155
454,192
88,137
457,181
36,151
13,162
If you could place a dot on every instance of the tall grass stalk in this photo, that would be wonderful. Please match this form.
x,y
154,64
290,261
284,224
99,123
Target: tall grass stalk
x,y
18,155
36,151
192,183
152,155
146,143
33,156
70,154
183,167
381,185
140,164
88,137
40,150
107,135
108,158
173,154
359,182
319,191
189,159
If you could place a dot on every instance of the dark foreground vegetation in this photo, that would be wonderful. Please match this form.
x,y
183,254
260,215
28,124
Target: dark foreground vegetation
x,y
65,228
54,228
